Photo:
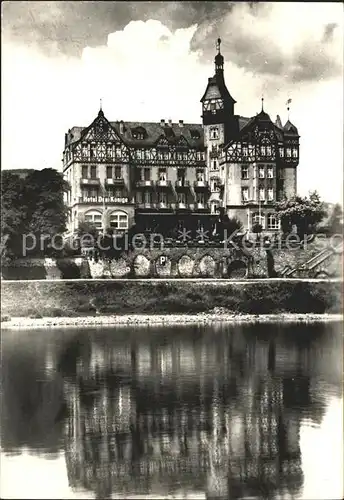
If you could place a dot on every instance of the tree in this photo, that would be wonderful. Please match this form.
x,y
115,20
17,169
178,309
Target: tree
x,y
334,222
13,210
227,225
34,205
305,213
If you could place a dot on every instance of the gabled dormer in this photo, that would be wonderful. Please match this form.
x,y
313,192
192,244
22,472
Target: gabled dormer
x,y
217,103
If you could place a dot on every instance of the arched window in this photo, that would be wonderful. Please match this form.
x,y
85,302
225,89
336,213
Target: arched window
x,y
214,207
119,220
273,222
258,219
93,217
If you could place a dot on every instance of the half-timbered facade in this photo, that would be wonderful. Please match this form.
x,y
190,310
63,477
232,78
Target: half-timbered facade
x,y
165,176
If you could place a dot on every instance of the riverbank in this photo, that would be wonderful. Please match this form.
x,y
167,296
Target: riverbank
x,y
164,319
116,298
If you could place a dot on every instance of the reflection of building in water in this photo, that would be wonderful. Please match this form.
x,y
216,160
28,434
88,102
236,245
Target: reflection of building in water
x,y
135,428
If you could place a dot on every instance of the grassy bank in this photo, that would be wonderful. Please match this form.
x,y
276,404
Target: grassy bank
x,y
75,298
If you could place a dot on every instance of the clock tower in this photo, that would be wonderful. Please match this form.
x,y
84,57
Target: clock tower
x,y
219,123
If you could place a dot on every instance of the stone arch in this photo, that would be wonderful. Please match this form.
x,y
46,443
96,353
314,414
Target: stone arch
x,y
141,266
119,268
237,269
185,266
207,265
163,266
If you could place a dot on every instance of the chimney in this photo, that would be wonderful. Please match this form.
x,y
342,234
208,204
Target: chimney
x,y
162,122
121,127
181,123
66,139
170,123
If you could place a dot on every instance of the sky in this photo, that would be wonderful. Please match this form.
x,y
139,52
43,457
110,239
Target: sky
x,y
151,60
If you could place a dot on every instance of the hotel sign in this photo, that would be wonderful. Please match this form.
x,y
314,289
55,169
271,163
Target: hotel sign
x,y
106,199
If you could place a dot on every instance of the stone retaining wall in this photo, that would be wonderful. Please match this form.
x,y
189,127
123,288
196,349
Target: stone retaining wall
x,y
177,263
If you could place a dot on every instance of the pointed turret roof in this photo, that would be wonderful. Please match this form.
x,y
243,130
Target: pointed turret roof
x,y
290,128
216,88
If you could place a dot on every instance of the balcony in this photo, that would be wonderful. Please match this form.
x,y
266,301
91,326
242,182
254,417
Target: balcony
x,y
201,206
163,206
183,206
163,183
201,184
145,206
144,183
118,181
90,182
182,183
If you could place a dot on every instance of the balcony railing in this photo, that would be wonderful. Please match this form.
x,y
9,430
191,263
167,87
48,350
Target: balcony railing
x,y
163,183
145,205
162,205
118,181
182,206
90,182
200,184
201,206
144,183
182,183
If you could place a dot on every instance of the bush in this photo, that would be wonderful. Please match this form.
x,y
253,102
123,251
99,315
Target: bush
x,y
5,318
88,297
35,315
68,268
54,313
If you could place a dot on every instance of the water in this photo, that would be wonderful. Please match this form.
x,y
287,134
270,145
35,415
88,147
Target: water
x,y
184,412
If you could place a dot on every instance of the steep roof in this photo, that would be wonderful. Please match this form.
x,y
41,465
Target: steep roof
x,y
290,128
216,88
192,132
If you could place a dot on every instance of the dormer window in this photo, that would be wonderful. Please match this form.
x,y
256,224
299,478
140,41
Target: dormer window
x,y
214,133
138,133
195,134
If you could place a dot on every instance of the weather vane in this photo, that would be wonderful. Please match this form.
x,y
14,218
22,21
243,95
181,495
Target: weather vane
x,y
288,106
218,43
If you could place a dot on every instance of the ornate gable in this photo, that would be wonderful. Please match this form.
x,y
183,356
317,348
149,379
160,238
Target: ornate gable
x,y
162,142
100,143
182,142
100,130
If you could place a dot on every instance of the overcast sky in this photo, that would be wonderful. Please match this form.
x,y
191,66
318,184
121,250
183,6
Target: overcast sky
x,y
151,60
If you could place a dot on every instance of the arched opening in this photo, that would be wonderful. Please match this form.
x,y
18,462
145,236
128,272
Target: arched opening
x,y
118,220
258,218
273,222
93,217
237,269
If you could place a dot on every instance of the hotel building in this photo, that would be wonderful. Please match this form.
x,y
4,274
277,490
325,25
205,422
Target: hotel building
x,y
174,175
